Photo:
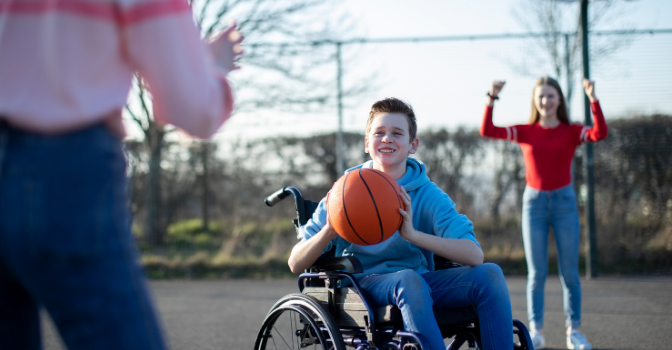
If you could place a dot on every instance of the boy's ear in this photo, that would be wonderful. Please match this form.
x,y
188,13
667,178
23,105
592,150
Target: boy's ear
x,y
414,146
366,145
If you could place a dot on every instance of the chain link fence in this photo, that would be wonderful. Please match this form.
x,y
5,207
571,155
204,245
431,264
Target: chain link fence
x,y
446,82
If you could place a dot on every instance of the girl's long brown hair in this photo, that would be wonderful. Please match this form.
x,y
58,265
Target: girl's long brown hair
x,y
562,109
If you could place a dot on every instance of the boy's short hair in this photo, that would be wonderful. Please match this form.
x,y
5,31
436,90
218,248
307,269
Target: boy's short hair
x,y
394,105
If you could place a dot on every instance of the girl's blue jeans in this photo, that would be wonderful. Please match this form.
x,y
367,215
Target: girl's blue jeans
x,y
541,210
66,245
482,287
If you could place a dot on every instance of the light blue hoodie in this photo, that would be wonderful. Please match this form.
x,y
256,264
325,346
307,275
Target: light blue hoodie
x,y
433,213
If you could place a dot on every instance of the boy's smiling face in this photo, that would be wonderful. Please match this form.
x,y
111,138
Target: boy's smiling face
x,y
388,141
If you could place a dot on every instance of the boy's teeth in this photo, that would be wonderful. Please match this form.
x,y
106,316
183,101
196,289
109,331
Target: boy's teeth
x,y
386,150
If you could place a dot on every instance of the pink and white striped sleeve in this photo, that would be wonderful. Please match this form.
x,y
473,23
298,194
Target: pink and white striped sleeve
x,y
161,41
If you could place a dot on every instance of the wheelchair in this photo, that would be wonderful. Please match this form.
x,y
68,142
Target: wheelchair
x,y
330,314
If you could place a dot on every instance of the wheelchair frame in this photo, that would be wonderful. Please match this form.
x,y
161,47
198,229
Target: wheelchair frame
x,y
336,316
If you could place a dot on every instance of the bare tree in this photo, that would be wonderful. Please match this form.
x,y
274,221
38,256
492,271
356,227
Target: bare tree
x,y
283,45
559,51
449,157
634,190
508,176
154,139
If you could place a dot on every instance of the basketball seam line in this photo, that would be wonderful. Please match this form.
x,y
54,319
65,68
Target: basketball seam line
x,y
346,210
380,221
401,219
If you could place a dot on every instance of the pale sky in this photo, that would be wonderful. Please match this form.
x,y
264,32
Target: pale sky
x,y
446,82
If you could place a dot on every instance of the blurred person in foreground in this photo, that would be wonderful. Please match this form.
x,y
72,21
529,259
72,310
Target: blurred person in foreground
x,y
548,142
66,68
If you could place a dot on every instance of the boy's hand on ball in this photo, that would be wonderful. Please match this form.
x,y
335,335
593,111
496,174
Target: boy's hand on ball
x,y
329,230
406,230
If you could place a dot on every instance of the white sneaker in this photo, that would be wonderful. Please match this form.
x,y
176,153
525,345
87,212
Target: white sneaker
x,y
576,340
538,340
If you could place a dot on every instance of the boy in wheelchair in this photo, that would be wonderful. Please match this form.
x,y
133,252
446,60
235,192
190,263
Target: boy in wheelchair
x,y
400,271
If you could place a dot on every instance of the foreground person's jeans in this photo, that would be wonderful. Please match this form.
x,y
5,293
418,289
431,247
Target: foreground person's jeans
x,y
65,244
416,295
541,210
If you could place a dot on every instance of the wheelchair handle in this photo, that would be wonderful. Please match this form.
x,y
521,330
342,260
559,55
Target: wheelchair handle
x,y
281,194
276,197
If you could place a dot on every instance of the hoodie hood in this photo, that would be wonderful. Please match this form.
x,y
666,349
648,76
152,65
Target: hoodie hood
x,y
414,178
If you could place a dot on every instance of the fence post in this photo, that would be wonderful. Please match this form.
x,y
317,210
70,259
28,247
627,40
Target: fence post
x,y
568,73
340,168
588,165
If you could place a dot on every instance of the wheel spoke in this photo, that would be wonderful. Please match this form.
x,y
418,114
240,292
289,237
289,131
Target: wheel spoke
x,y
294,329
281,337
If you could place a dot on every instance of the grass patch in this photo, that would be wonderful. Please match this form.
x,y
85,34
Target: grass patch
x,y
200,266
261,249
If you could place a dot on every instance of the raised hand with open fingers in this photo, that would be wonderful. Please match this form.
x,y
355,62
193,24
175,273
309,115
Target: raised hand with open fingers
x,y
226,49
589,86
496,87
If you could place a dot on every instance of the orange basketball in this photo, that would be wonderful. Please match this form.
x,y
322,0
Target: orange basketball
x,y
363,206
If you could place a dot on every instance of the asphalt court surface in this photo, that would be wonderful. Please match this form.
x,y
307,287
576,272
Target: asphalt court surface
x,y
618,312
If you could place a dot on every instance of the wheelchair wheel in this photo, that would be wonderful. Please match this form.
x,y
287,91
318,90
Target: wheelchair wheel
x,y
298,321
524,341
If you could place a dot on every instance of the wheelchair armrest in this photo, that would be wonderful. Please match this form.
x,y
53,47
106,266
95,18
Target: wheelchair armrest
x,y
348,263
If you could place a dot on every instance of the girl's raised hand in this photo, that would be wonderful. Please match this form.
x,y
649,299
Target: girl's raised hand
x,y
496,87
406,230
589,86
226,48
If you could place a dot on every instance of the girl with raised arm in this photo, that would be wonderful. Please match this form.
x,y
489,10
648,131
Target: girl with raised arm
x,y
548,142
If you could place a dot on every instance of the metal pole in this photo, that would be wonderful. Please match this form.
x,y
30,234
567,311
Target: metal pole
x,y
568,96
568,73
591,240
453,38
205,203
340,168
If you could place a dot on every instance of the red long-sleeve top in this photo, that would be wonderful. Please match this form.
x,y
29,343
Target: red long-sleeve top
x,y
548,152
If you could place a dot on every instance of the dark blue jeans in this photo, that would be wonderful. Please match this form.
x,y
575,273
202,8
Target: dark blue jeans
x,y
65,244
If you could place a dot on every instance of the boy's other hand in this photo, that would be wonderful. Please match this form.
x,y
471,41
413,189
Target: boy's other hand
x,y
406,230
